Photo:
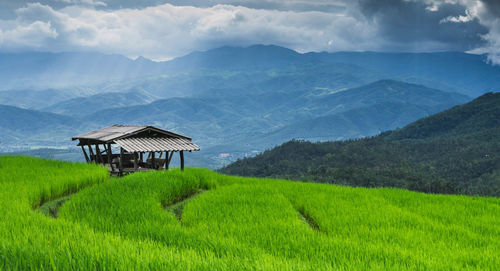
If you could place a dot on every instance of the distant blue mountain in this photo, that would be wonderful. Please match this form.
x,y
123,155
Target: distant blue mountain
x,y
82,106
55,70
26,128
467,73
34,99
240,58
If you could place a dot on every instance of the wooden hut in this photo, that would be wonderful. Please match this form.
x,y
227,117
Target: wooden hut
x,y
141,147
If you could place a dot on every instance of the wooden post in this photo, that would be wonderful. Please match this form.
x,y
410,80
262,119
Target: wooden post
x,y
110,157
141,157
91,152
98,152
135,161
169,159
160,166
181,154
153,162
121,161
104,151
164,165
85,153
109,154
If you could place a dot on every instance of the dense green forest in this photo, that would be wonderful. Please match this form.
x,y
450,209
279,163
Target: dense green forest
x,y
455,151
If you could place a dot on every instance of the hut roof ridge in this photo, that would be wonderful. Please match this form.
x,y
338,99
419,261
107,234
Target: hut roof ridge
x,y
117,131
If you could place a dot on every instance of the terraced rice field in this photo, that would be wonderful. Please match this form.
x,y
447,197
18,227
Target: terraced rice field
x,y
201,220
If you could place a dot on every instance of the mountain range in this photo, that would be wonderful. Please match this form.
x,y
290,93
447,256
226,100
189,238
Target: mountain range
x,y
81,106
232,101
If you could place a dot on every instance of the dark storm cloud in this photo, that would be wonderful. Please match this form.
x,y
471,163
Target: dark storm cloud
x,y
493,7
415,26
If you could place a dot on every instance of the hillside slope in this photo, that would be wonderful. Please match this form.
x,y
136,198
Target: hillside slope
x,y
314,104
355,123
26,120
34,99
200,220
480,115
82,106
225,121
455,151
34,128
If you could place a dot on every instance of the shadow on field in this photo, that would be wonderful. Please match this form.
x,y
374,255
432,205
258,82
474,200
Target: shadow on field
x,y
304,216
177,206
51,208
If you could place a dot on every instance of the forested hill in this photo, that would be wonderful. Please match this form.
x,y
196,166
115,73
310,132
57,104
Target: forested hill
x,y
481,114
455,151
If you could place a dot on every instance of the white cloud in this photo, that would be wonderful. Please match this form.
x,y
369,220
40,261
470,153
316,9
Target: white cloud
x,y
167,31
493,36
457,19
432,8
33,35
84,2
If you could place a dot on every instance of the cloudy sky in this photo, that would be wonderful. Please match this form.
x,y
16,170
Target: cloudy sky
x,y
163,29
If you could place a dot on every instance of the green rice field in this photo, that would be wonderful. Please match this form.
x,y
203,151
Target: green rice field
x,y
201,220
